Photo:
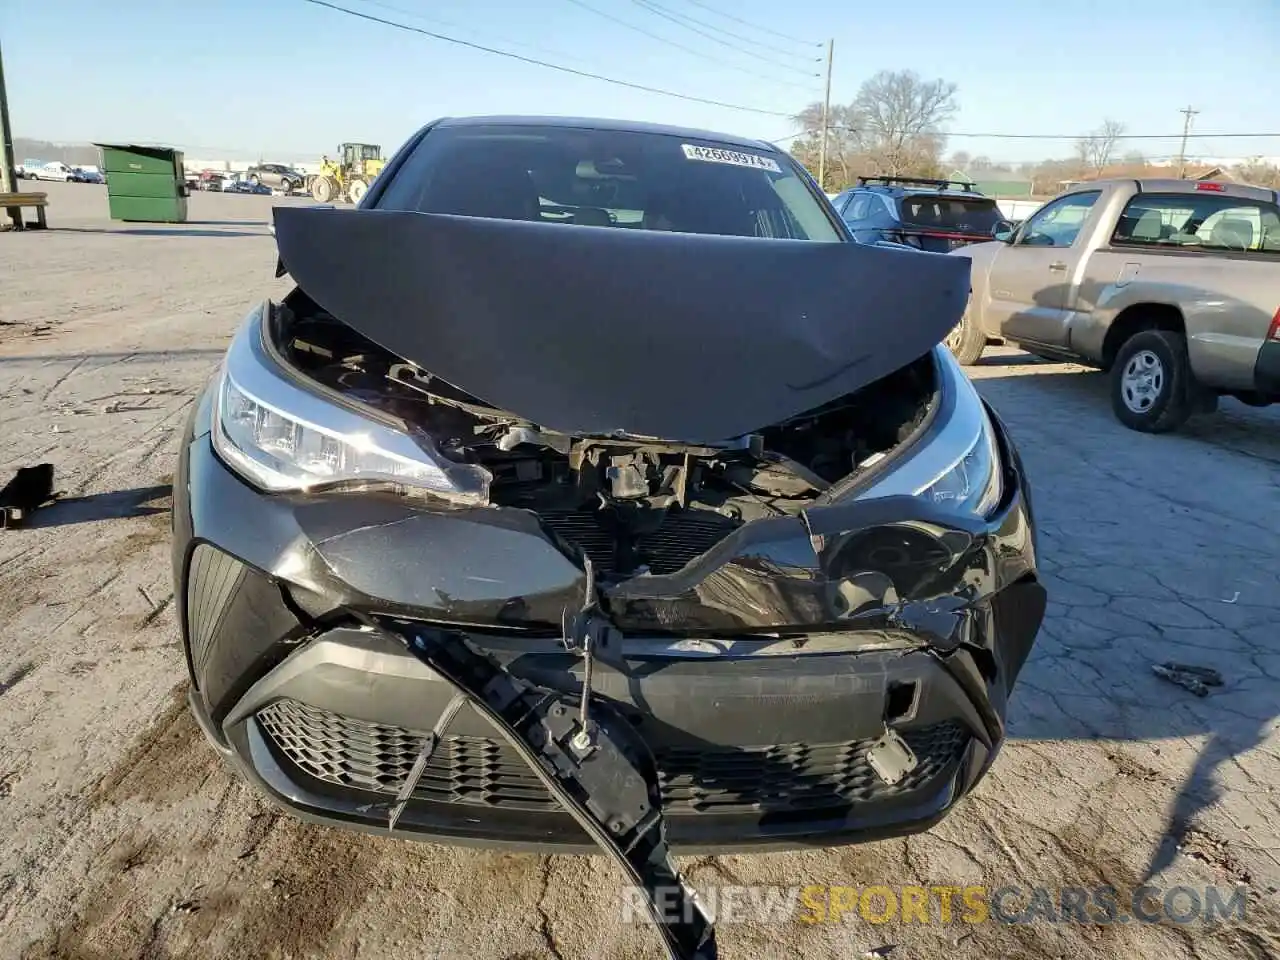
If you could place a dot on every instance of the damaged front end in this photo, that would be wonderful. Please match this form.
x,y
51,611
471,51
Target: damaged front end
x,y
740,632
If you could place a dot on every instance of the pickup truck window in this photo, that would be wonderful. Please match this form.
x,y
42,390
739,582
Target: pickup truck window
x,y
1199,222
1058,223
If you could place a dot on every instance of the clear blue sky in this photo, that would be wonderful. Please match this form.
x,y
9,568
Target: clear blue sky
x,y
289,79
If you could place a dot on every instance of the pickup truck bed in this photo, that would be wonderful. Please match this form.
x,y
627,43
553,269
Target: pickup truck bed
x,y
1171,285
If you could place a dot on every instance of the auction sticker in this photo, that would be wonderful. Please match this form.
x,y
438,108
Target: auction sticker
x,y
733,157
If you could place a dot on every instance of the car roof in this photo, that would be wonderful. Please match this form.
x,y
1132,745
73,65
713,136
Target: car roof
x,y
594,123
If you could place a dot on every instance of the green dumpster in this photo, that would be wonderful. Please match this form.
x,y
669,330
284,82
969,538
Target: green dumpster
x,y
144,183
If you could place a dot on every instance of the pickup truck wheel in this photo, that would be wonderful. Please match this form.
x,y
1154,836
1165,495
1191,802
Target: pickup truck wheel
x,y
966,341
1152,388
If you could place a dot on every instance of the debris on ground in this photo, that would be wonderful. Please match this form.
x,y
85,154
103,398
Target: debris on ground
x,y
1189,676
30,489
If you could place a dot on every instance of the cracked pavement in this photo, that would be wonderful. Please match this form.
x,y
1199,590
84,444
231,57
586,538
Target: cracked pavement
x,y
124,836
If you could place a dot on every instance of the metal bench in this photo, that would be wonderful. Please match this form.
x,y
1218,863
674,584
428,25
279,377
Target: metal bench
x,y
12,203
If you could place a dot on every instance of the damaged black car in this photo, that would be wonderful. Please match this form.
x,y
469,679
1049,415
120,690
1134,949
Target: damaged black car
x,y
590,482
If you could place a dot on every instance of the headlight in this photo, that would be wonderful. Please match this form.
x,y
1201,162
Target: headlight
x,y
973,482
959,464
281,436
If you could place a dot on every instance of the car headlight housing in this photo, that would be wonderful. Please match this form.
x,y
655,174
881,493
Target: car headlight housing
x,y
973,482
282,436
958,466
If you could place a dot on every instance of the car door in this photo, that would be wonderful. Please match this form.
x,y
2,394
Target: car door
x,y
1031,283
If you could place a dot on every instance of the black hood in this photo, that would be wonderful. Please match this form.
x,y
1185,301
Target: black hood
x,y
595,330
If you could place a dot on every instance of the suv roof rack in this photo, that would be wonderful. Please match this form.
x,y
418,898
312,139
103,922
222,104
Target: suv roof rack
x,y
918,181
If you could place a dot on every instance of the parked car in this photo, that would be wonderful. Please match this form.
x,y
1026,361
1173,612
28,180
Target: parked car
x,y
211,180
749,469
277,175
89,175
245,186
1171,285
56,170
934,215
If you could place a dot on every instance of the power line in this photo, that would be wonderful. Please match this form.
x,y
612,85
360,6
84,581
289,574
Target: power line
x,y
455,26
1064,136
754,26
680,46
544,63
1124,136
700,28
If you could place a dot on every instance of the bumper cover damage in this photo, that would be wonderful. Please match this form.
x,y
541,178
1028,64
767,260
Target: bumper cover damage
x,y
591,760
895,583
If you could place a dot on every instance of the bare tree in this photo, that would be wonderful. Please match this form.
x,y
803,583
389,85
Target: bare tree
x,y
844,145
1259,173
901,115
1095,151
892,127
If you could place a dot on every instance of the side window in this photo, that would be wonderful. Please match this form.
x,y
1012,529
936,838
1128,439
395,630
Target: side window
x,y
857,207
1058,223
881,211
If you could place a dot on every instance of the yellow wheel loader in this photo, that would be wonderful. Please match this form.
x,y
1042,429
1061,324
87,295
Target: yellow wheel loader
x,y
348,177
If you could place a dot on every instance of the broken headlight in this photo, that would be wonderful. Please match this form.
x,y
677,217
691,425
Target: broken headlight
x,y
958,463
281,436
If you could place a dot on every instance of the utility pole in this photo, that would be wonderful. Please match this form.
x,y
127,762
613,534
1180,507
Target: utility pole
x,y
1187,114
7,177
826,119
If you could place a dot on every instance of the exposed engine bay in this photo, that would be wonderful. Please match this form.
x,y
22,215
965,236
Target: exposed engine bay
x,y
634,505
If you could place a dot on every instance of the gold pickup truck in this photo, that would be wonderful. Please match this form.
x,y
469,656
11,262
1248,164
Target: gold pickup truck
x,y
1171,285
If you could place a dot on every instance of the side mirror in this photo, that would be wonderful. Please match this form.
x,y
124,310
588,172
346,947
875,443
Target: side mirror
x,y
1004,231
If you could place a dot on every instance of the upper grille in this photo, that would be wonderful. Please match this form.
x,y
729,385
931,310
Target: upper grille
x,y
682,536
777,778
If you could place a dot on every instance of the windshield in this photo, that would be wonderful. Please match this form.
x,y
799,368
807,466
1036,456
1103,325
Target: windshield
x,y
949,213
608,178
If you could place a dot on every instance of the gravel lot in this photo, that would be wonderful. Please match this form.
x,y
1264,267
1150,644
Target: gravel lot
x,y
121,834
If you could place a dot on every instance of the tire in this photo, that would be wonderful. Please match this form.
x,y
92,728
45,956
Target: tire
x,y
1152,387
357,190
323,189
965,341
253,178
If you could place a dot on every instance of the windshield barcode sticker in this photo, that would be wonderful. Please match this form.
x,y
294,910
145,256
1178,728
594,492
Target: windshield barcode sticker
x,y
718,155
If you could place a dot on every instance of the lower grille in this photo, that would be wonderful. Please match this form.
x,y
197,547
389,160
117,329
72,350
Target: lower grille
x,y
683,535
778,778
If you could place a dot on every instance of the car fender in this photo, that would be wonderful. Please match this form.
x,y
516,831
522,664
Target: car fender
x,y
981,257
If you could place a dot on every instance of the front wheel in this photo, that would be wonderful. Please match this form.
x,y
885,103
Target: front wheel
x,y
965,340
322,189
357,190
1152,387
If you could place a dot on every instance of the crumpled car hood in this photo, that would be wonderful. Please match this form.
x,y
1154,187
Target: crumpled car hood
x,y
601,330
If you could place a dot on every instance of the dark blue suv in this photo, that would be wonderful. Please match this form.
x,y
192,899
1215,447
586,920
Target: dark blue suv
x,y
933,215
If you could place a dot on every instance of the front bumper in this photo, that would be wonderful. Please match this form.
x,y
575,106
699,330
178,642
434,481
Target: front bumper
x,y
294,612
